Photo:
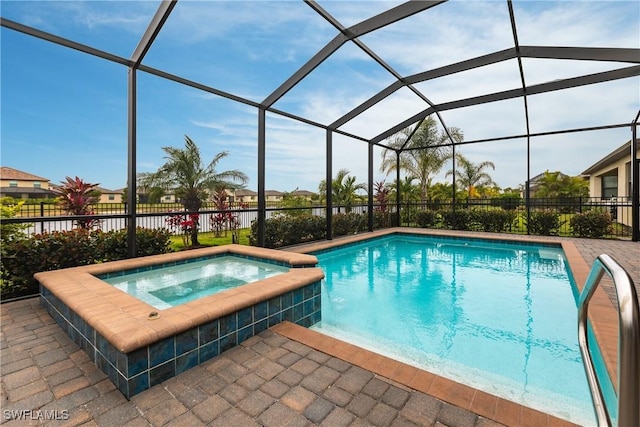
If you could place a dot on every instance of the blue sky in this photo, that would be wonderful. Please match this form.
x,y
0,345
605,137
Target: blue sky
x,y
64,113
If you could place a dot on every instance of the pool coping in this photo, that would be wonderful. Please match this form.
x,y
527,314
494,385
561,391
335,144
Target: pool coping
x,y
130,324
602,315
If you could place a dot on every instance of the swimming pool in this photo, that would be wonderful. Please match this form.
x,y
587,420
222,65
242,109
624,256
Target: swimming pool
x,y
168,286
500,317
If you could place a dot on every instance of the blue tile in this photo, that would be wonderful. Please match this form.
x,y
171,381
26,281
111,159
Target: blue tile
x,y
245,317
161,351
122,363
228,342
162,373
102,345
297,296
139,383
288,314
275,319
228,324
317,303
275,305
297,313
317,288
209,351
287,300
260,311
138,361
245,333
307,292
307,307
209,332
186,341
260,326
186,361
123,385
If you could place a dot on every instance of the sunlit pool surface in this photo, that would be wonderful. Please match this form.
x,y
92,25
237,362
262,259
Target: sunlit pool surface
x,y
169,286
501,318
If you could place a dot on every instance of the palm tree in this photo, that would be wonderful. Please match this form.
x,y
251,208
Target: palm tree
x,y
556,184
191,181
472,175
424,157
343,189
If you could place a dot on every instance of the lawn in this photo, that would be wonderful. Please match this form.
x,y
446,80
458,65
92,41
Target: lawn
x,y
209,239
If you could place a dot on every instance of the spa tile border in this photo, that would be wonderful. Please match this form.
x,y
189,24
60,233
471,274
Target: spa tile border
x,y
138,346
147,366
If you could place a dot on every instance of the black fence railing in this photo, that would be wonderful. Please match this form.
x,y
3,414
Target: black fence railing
x,y
113,216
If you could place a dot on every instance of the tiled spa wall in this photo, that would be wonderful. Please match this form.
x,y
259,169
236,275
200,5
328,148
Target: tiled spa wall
x,y
141,369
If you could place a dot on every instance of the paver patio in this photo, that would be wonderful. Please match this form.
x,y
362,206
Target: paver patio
x,y
269,380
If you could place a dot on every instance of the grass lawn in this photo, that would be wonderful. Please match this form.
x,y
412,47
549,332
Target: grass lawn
x,y
209,239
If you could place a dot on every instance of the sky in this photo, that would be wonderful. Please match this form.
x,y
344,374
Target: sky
x,y
64,113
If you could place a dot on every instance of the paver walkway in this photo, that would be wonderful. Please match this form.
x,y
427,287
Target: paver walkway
x,y
269,380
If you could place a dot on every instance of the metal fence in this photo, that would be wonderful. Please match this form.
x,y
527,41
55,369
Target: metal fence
x,y
45,217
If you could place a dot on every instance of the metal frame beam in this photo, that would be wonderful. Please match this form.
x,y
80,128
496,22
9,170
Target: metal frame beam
x,y
621,73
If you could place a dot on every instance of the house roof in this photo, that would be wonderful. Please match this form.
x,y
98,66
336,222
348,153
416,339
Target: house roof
x,y
303,193
535,179
614,156
9,191
245,193
273,193
18,175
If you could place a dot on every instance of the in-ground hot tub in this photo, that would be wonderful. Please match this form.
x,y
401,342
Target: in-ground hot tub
x,y
139,346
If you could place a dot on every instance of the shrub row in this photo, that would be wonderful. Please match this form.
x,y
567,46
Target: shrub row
x,y
591,224
22,258
286,230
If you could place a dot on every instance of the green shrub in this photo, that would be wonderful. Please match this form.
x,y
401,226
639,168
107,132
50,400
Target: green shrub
x,y
507,201
591,224
496,221
427,218
63,249
460,219
544,223
384,219
283,230
349,223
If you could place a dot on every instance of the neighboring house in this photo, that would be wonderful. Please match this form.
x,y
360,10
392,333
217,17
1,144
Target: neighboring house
x,y
307,195
110,196
610,178
273,195
22,185
243,196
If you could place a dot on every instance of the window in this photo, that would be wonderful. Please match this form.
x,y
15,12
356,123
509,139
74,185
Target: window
x,y
112,196
37,184
609,186
13,184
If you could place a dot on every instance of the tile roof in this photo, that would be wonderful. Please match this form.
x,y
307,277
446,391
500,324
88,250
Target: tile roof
x,y
11,173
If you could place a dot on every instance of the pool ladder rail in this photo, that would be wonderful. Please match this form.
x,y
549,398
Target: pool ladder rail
x,y
628,390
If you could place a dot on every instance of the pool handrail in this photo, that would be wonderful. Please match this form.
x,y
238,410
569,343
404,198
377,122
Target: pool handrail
x,y
628,384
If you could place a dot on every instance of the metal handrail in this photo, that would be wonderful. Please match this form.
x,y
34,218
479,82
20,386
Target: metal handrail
x,y
628,343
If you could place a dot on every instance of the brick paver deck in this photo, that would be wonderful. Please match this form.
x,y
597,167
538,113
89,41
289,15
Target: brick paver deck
x,y
270,380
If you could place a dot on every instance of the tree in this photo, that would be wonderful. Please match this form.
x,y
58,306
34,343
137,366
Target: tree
x,y
343,190
423,155
76,198
190,180
558,185
471,175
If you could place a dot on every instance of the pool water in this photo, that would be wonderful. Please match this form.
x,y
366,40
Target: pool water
x,y
169,286
501,318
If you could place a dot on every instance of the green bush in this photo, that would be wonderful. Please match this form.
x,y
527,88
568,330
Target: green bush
x,y
384,219
507,201
349,223
496,220
591,224
460,219
427,218
63,249
282,230
545,223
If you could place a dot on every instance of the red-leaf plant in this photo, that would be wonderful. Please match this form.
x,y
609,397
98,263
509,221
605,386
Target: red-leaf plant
x,y
76,196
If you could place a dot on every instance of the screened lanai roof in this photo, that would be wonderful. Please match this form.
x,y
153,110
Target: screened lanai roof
x,y
498,70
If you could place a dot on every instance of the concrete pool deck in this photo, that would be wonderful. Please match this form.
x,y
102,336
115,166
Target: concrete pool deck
x,y
272,379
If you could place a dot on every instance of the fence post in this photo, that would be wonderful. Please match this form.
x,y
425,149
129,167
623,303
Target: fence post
x,y
41,215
